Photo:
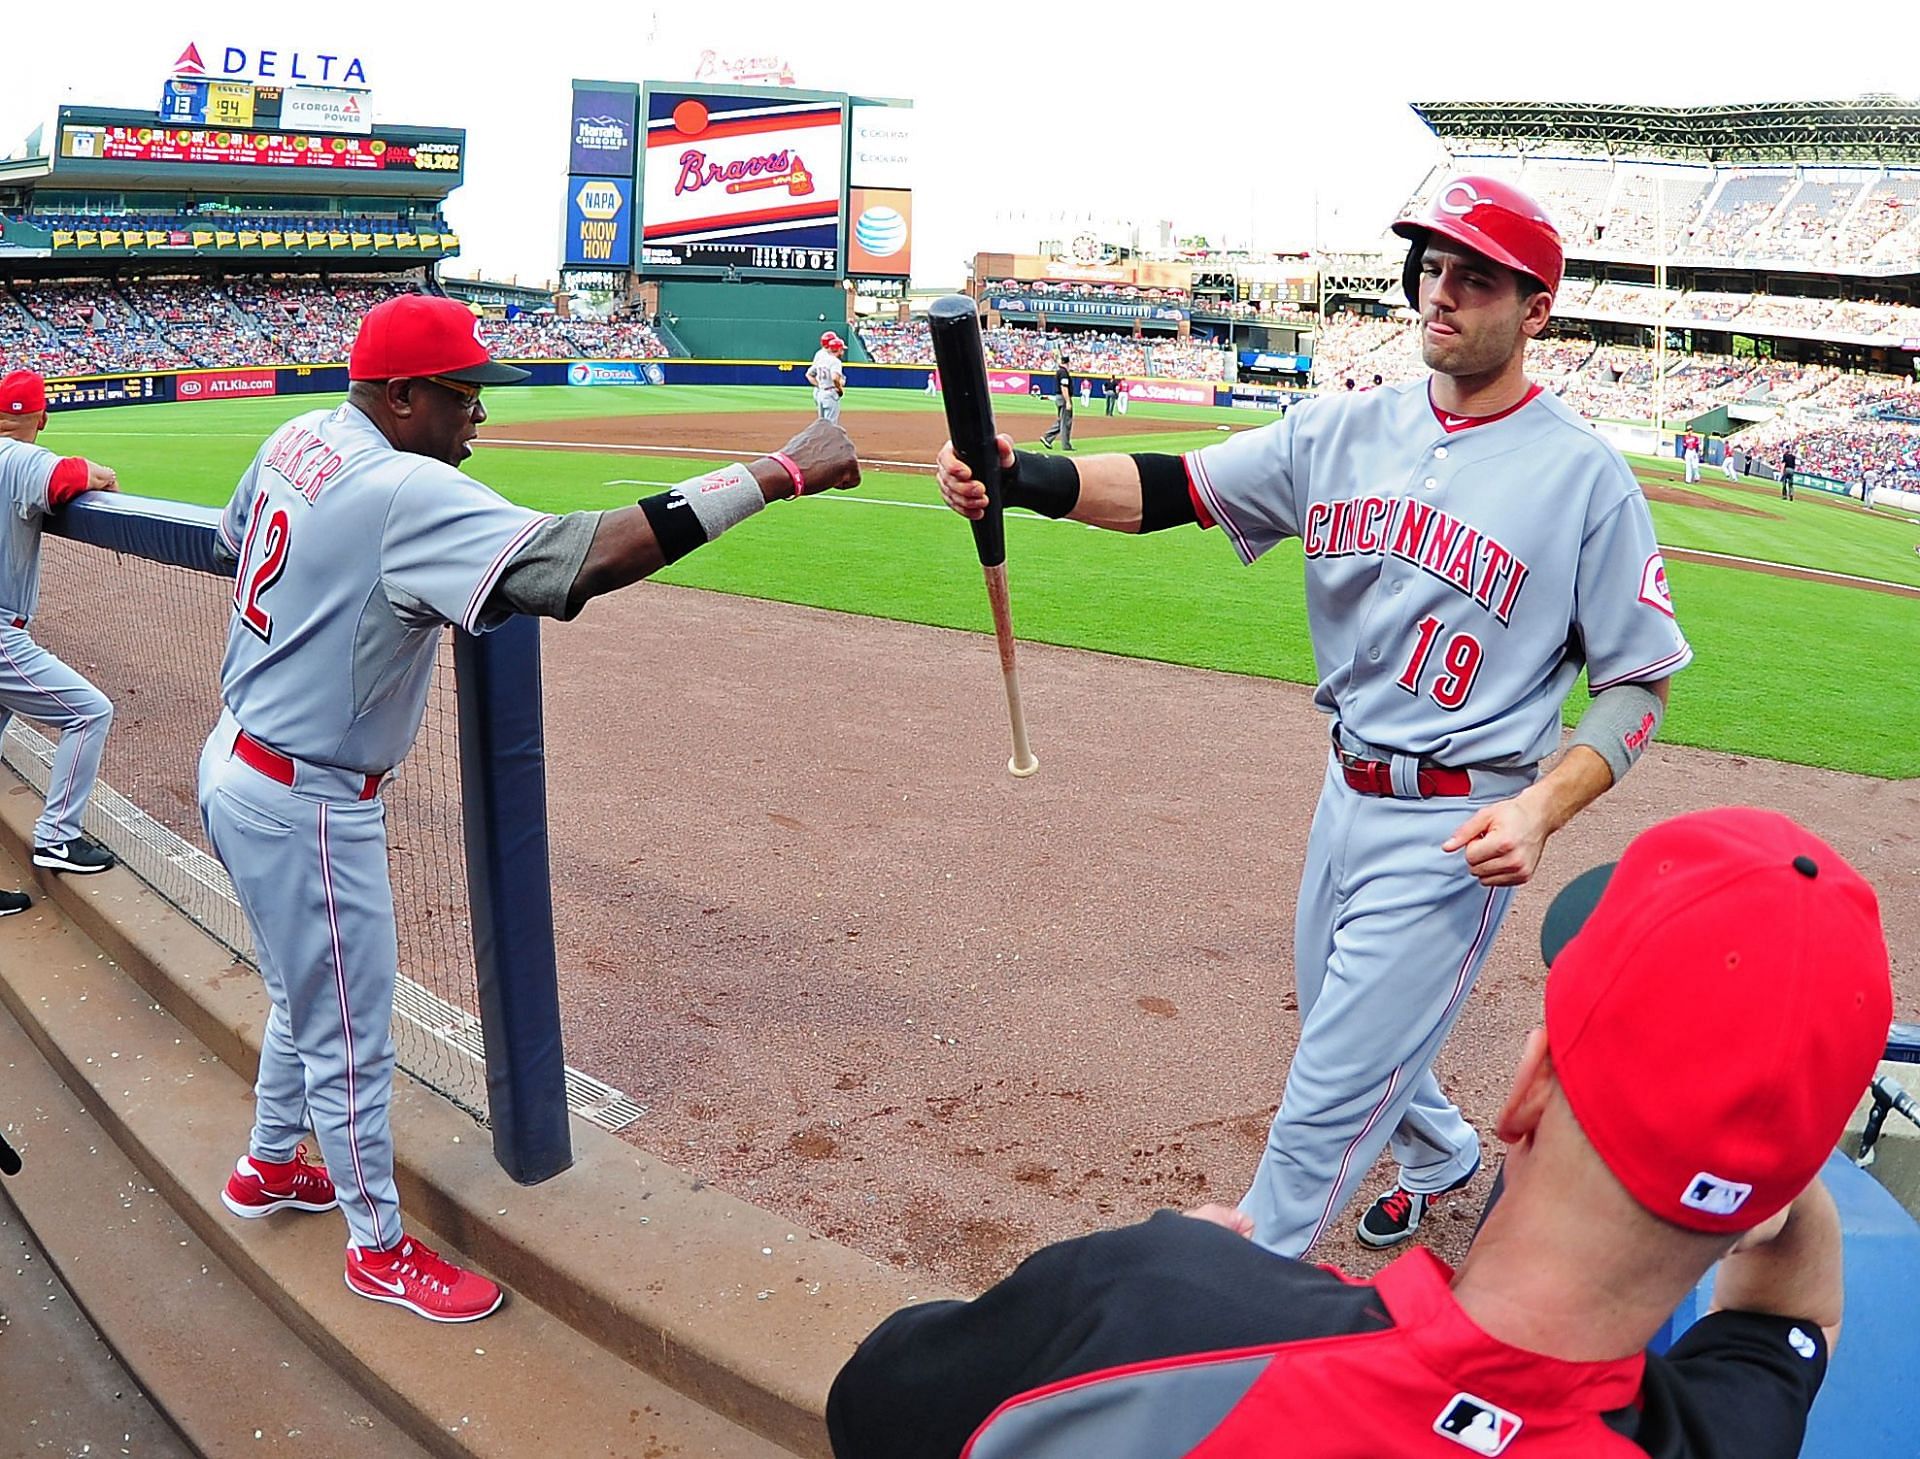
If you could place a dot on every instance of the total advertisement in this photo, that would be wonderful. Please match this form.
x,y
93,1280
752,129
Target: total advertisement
x,y
223,384
599,223
602,132
615,372
738,182
881,242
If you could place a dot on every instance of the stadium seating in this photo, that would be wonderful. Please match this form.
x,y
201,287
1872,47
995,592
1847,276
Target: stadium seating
x,y
1010,348
74,328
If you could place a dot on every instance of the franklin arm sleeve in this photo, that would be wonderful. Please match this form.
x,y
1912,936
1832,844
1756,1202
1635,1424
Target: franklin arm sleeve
x,y
1619,724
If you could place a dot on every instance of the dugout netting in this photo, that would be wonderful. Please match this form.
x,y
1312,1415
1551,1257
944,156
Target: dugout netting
x,y
151,636
131,598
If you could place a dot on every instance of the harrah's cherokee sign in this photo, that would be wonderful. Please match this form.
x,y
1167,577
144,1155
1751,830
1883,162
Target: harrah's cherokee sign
x,y
603,128
271,65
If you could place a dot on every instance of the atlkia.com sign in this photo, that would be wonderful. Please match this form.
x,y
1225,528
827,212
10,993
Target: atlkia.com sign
x,y
272,66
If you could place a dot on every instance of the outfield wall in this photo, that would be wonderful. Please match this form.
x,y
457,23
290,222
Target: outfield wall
x,y
189,386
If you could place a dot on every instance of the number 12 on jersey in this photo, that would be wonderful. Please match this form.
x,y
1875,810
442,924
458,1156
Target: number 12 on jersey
x,y
1458,664
254,578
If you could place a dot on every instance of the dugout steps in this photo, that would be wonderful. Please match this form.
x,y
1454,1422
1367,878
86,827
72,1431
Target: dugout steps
x,y
647,1311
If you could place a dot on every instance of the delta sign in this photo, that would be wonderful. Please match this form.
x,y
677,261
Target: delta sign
x,y
270,67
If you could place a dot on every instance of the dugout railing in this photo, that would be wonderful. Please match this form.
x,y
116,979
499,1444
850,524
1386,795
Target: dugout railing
x,y
134,596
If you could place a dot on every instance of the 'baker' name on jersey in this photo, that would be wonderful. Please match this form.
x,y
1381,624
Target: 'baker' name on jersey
x,y
1463,557
307,462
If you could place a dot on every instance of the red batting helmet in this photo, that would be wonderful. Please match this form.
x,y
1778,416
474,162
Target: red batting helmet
x,y
1494,219
832,341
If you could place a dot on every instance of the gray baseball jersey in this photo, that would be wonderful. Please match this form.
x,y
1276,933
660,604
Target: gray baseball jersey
x,y
828,377
1458,574
353,557
33,681
1456,580
26,471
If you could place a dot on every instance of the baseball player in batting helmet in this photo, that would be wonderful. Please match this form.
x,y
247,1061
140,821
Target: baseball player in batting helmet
x,y
828,377
1469,546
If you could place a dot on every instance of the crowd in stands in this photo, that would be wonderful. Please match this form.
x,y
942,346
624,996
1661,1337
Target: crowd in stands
x,y
1010,348
1826,217
97,328
1840,423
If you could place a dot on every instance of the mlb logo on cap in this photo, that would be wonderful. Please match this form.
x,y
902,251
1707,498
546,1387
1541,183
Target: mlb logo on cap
x,y
1473,1423
23,393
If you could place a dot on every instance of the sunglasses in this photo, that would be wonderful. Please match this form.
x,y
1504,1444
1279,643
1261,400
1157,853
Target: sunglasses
x,y
469,394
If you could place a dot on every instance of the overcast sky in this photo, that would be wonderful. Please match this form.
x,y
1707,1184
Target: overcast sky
x,y
1264,119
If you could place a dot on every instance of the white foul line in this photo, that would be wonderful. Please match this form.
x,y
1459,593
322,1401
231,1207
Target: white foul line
x,y
679,451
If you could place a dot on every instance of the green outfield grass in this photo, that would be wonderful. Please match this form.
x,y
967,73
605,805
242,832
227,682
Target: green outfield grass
x,y
1784,669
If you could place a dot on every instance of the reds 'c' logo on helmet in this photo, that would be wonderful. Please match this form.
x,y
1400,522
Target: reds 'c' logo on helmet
x,y
1494,219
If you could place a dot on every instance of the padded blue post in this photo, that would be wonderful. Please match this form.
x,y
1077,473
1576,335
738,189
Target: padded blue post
x,y
1869,1407
503,782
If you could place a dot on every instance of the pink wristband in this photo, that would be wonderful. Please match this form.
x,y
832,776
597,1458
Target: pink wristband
x,y
799,481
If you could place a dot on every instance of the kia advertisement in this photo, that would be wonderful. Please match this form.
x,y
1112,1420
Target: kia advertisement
x,y
223,384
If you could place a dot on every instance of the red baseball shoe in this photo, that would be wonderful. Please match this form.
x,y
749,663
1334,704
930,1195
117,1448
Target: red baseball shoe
x,y
419,1279
259,1188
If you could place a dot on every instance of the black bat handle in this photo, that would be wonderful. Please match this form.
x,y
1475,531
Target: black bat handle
x,y
9,1158
954,321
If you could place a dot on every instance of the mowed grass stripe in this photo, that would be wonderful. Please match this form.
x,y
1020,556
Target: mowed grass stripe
x,y
1785,669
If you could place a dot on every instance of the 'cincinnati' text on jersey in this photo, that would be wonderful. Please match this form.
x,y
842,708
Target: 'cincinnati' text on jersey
x,y
1459,554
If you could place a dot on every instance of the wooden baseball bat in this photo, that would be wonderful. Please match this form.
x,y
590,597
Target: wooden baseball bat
x,y
962,362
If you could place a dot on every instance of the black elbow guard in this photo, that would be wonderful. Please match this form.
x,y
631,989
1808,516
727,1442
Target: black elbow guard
x,y
1165,500
1049,485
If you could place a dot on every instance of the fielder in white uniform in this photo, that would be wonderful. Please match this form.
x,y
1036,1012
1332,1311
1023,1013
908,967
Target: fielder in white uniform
x,y
1470,546
358,541
33,482
828,376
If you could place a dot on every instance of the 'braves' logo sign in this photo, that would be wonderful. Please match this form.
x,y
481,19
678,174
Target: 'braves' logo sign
x,y
696,172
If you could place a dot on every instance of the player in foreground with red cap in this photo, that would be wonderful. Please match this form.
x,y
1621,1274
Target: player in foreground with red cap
x,y
33,482
1716,1004
358,540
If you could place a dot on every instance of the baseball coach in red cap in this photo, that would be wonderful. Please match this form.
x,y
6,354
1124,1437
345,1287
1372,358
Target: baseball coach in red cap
x,y
1716,1004
358,540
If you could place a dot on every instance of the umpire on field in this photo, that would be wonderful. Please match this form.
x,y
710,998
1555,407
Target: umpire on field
x,y
1716,1004
1062,428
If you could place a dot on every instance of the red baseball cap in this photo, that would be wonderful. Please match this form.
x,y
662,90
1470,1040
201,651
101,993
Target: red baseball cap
x,y
23,393
1717,1003
417,335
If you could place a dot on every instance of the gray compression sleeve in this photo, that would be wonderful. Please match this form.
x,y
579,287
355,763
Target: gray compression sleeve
x,y
1619,725
540,577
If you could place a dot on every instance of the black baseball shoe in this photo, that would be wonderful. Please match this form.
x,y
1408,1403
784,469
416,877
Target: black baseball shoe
x,y
11,902
79,856
1396,1215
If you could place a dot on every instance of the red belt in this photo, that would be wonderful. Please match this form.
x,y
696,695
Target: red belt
x,y
19,623
276,766
1375,777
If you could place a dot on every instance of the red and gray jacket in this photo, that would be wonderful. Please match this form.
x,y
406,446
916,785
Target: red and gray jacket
x,y
1176,1339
